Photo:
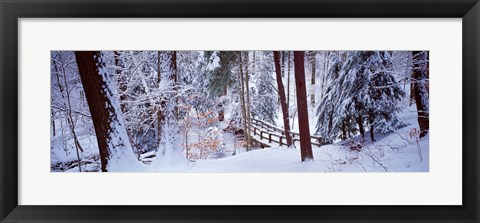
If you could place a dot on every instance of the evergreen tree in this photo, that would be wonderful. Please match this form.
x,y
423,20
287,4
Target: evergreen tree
x,y
364,91
264,107
220,76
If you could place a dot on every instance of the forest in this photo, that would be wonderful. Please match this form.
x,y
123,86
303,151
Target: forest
x,y
239,111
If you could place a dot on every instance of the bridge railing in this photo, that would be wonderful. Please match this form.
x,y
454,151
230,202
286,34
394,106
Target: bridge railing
x,y
259,127
268,135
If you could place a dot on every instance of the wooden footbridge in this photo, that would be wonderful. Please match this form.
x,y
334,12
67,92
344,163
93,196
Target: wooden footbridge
x,y
270,135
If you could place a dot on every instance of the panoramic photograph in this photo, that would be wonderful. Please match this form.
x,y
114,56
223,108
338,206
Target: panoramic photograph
x,y
239,111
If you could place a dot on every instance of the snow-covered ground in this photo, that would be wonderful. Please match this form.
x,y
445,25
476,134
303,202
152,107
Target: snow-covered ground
x,y
396,152
400,151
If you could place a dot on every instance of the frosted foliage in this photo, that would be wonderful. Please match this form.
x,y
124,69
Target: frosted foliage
x,y
235,107
65,77
264,107
213,61
364,88
136,76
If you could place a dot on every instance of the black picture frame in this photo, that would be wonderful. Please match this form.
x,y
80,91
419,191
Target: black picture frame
x,y
12,10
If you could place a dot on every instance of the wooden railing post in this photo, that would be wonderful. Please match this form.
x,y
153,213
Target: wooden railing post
x,y
269,138
280,140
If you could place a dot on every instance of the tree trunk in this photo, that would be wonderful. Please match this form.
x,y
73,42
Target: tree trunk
x,y
242,99
288,81
325,72
53,123
107,120
344,131
221,113
160,116
253,63
248,103
420,90
305,141
174,78
372,127
330,126
313,62
283,101
412,90
122,83
360,126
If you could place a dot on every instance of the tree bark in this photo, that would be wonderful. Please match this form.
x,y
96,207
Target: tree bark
x,y
248,102
313,63
242,99
160,116
221,113
305,141
288,80
283,101
412,90
122,83
360,126
372,127
106,119
174,78
420,90
53,122
325,72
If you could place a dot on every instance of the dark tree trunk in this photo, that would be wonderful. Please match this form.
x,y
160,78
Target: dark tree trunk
x,y
283,101
330,125
360,126
288,80
53,123
305,141
372,127
325,71
106,121
247,103
313,63
420,90
412,90
162,101
344,131
221,113
174,78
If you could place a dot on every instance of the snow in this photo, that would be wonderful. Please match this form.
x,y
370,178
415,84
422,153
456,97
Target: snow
x,y
396,152
214,61
198,142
